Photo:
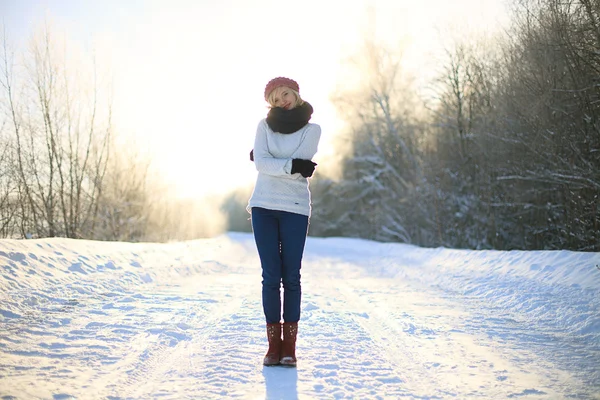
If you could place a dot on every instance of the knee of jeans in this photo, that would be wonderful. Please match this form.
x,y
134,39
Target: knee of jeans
x,y
291,282
271,284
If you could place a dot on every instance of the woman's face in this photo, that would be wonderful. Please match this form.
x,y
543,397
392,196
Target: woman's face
x,y
283,97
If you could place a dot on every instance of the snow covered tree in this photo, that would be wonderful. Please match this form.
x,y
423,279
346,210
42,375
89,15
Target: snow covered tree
x,y
511,155
550,96
457,159
520,146
381,167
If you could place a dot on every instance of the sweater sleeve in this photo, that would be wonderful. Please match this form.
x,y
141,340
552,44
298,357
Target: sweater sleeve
x,y
310,143
264,161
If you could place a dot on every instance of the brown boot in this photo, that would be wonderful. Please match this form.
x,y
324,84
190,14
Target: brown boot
x,y
288,347
274,336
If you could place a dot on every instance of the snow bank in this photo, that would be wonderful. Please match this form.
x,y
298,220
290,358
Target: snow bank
x,y
558,288
49,274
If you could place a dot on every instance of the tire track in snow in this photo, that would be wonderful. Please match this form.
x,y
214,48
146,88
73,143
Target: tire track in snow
x,y
371,336
146,354
342,357
394,345
457,361
162,355
419,337
418,350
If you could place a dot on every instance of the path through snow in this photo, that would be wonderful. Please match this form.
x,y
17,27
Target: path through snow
x,y
135,321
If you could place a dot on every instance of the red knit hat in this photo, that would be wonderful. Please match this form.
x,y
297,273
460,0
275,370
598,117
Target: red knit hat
x,y
278,82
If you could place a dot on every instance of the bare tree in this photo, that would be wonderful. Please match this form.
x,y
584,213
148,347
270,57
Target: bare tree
x,y
7,189
61,140
123,208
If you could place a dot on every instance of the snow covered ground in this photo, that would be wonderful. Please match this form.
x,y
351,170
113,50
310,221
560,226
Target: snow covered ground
x,y
82,319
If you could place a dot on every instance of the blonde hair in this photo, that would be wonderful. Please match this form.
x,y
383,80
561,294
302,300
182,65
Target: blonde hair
x,y
271,98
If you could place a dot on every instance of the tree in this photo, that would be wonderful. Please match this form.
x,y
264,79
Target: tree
x,y
551,96
381,167
60,134
457,162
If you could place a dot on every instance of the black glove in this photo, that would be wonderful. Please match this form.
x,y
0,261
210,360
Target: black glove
x,y
252,155
305,167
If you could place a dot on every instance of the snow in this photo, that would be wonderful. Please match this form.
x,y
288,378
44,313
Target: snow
x,y
84,319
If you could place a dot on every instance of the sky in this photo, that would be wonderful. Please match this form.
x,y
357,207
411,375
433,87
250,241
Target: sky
x,y
188,76
85,319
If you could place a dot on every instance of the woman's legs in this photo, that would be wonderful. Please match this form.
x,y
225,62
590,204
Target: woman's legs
x,y
280,238
265,225
292,231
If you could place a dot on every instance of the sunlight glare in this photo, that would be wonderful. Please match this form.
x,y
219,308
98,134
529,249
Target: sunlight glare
x,y
189,76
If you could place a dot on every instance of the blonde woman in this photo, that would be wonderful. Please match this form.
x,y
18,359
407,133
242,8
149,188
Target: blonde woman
x,y
280,206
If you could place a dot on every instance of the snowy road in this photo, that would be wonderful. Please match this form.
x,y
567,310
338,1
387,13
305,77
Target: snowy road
x,y
93,320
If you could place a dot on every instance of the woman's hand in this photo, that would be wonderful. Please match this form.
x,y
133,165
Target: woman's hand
x,y
306,168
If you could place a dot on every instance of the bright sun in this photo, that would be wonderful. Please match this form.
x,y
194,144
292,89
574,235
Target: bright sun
x,y
190,79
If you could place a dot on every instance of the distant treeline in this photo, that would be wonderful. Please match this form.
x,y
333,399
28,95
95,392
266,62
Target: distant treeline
x,y
505,153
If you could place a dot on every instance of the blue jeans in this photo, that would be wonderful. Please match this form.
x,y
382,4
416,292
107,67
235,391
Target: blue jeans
x,y
280,237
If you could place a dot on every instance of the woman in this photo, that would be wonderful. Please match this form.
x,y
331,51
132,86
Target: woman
x,y
280,206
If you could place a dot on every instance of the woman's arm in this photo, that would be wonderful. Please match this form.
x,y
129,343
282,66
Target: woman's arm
x,y
263,160
270,165
310,143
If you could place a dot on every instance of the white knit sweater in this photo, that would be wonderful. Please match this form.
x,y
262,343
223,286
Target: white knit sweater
x,y
276,188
